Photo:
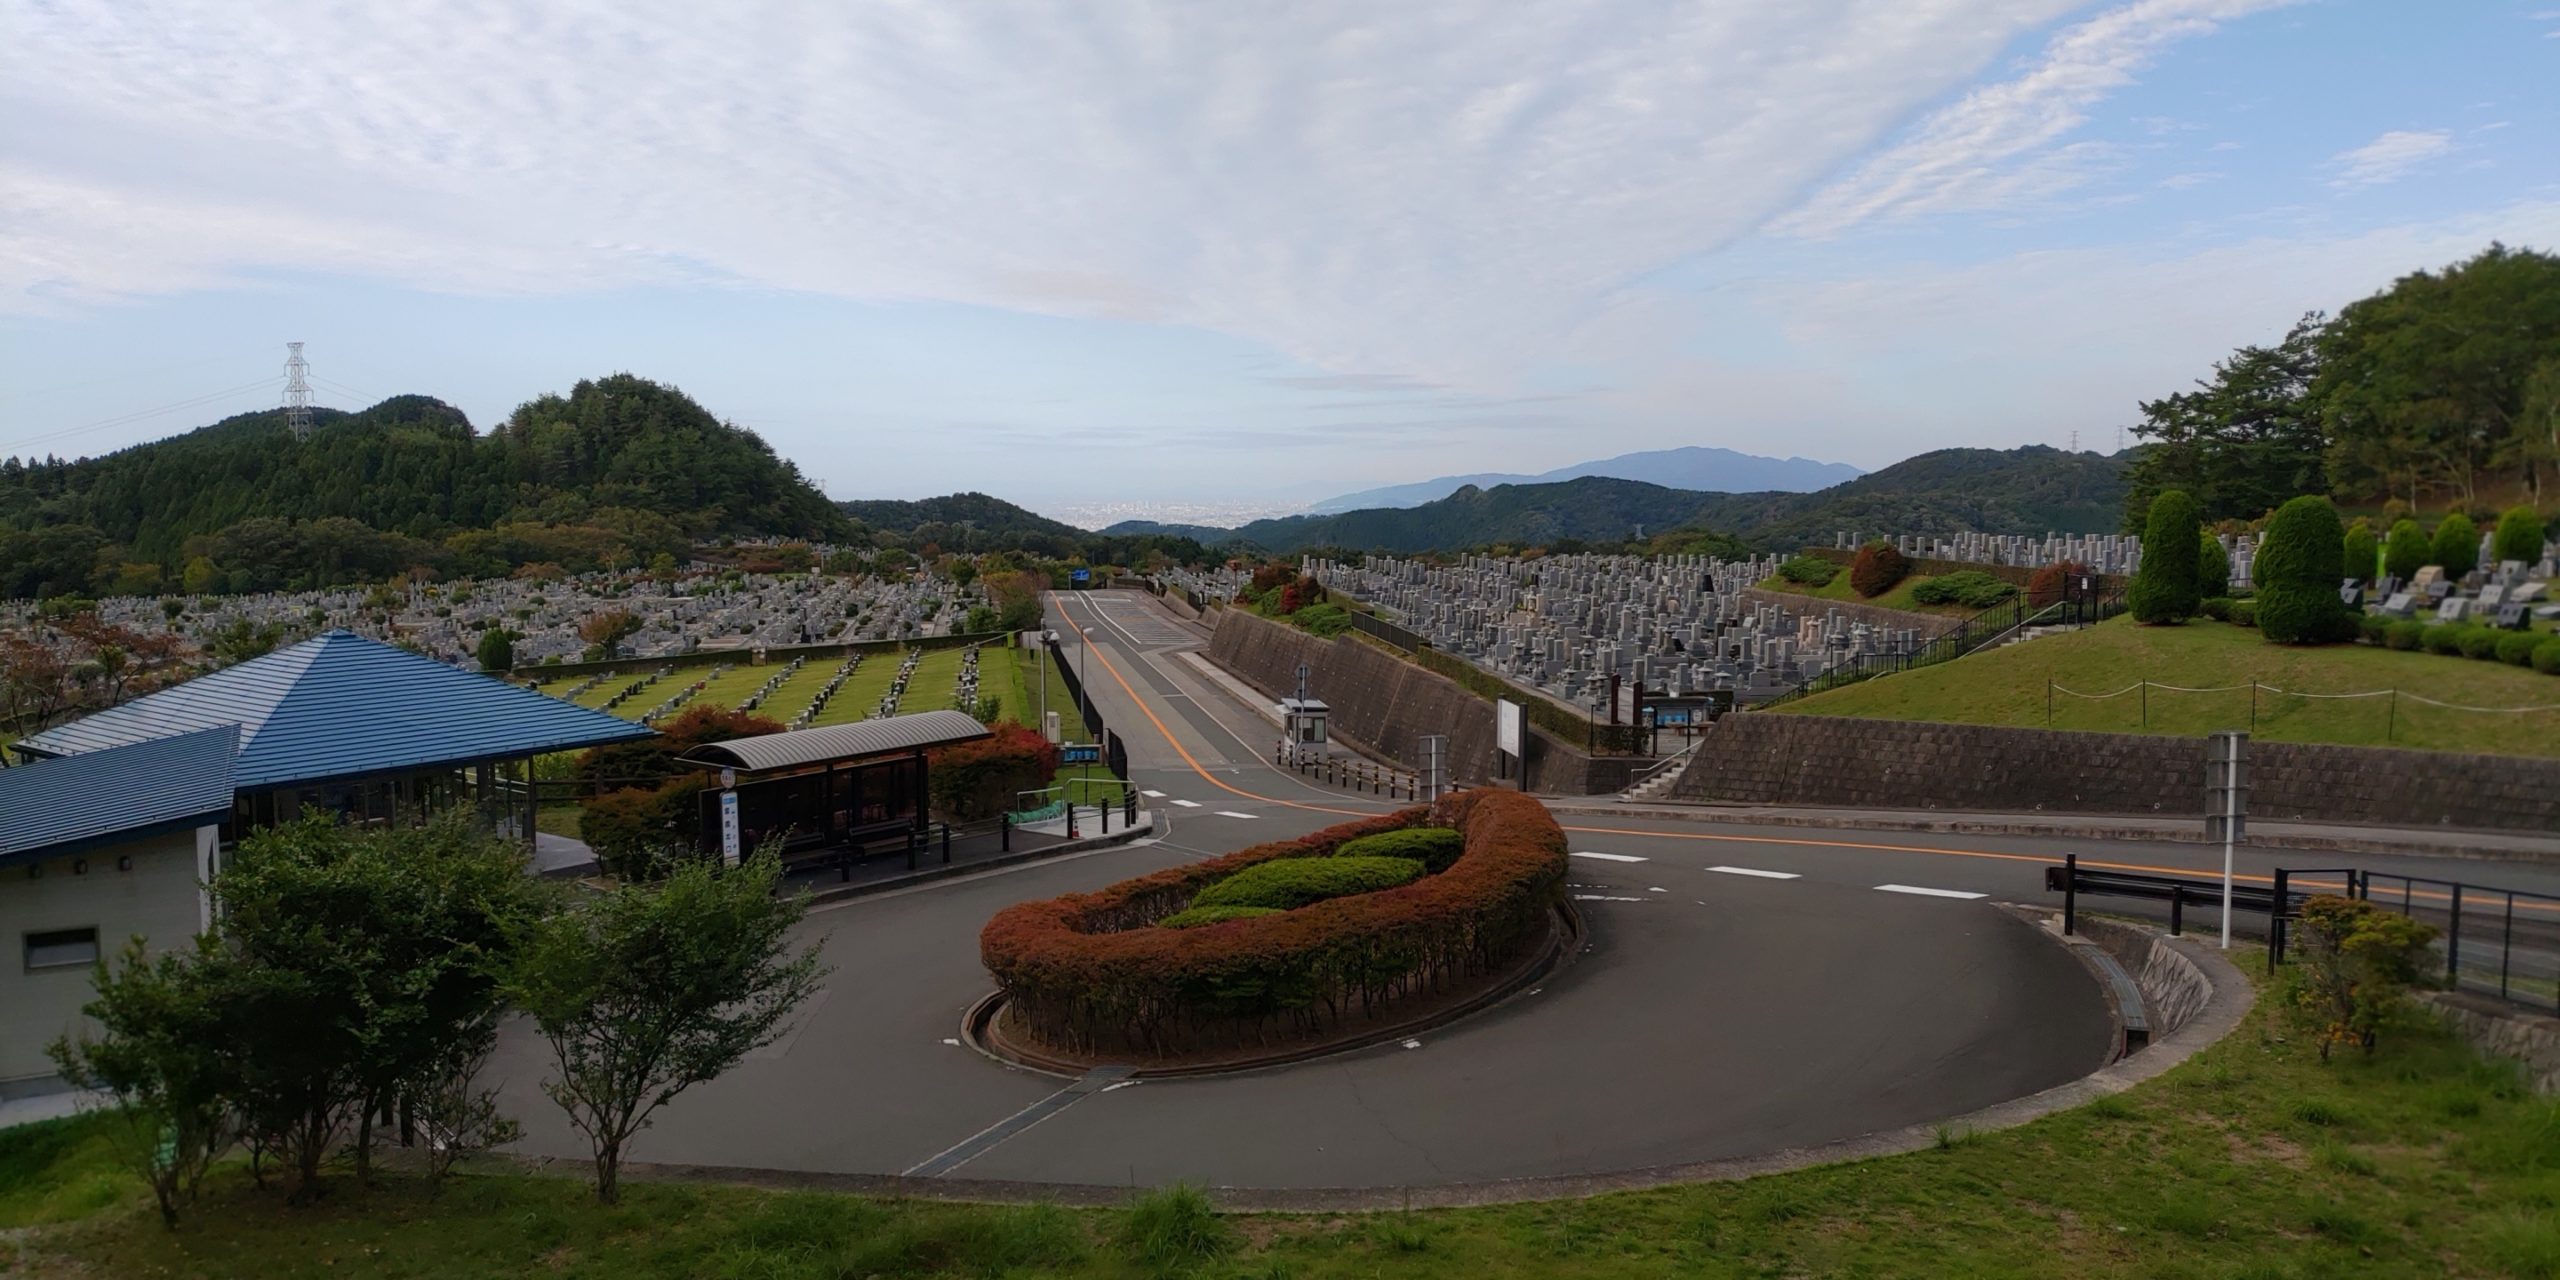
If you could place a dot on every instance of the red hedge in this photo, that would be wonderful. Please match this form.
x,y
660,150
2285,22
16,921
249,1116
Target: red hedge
x,y
1878,568
978,780
1089,972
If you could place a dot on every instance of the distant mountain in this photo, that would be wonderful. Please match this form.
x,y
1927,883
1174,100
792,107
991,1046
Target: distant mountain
x,y
1205,534
1695,467
975,511
2028,490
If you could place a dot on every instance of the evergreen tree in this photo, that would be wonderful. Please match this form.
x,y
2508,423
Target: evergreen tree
x,y
2213,567
2457,545
2362,554
2407,550
2164,589
2519,535
2298,569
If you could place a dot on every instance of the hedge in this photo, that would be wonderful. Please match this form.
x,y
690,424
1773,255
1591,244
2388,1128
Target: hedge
x,y
974,781
2243,613
1970,587
1291,883
2406,634
2515,648
1198,916
2441,637
2546,657
2478,642
1434,847
1880,566
1809,571
1090,972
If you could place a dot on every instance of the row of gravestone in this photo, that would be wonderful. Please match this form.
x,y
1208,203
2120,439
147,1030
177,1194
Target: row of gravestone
x,y
2512,595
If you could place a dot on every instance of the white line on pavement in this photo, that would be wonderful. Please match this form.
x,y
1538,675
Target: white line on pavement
x,y
1755,871
1152,795
1609,857
1929,893
1188,804
1230,813
1603,897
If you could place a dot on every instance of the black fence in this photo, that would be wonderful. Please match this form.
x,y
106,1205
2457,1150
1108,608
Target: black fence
x,y
1401,637
1115,757
1989,627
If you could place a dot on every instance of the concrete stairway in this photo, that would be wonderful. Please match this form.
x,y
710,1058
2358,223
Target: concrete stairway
x,y
1658,784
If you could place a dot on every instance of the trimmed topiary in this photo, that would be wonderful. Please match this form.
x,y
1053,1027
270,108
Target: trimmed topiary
x,y
1434,847
2442,637
2406,552
2515,648
2165,589
1284,883
2213,566
1198,916
2457,545
2361,557
2519,536
1879,568
2405,635
2478,642
2546,657
2297,573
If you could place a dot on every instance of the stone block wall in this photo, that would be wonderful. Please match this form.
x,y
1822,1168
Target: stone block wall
x,y
1834,761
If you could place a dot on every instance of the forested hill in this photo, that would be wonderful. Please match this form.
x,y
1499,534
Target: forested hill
x,y
618,471
2028,490
951,519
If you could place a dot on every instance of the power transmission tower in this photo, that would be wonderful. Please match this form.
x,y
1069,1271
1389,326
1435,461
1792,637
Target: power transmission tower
x,y
297,391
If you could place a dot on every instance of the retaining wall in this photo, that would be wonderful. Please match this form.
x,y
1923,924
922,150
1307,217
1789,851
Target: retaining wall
x,y
1768,758
2530,1038
2174,987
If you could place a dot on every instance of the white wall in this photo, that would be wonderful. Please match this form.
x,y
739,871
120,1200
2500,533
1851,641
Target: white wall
x,y
158,899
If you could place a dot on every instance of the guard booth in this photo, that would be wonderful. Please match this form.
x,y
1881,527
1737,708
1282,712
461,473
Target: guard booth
x,y
1303,728
835,790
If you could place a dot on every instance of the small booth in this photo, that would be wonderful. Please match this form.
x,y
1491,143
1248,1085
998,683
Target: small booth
x,y
1303,728
835,788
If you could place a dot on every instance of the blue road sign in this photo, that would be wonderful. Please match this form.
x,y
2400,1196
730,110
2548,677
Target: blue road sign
x,y
1079,575
1080,753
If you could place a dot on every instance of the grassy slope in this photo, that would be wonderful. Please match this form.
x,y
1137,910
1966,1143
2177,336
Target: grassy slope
x,y
2252,1160
1898,598
2007,686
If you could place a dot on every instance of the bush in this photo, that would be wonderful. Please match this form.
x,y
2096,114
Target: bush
x,y
1809,571
2213,565
2165,588
2373,627
2362,553
2441,637
633,829
974,781
654,759
2457,545
2217,608
1174,1230
2357,959
2405,635
2045,585
2478,642
1879,568
1971,588
2406,550
1287,883
2297,573
1434,847
2519,536
1327,620
1084,972
2515,648
2244,613
2546,657
1197,916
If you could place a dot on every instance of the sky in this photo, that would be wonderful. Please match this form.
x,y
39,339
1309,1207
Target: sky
x,y
1164,253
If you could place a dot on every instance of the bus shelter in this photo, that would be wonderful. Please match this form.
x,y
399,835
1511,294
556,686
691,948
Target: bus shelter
x,y
837,789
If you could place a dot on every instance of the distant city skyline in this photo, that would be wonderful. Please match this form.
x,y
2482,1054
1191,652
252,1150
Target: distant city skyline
x,y
1230,258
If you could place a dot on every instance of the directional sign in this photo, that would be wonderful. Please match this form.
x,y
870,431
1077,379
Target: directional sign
x,y
1079,575
1080,753
729,827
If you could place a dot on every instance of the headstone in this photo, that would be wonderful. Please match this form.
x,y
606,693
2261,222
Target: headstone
x,y
2400,605
2426,577
2452,608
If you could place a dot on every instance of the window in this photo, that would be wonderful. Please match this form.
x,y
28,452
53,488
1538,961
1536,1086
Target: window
x,y
62,949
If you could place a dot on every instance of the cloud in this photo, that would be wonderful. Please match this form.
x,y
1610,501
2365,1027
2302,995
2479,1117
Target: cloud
x,y
1994,148
2388,158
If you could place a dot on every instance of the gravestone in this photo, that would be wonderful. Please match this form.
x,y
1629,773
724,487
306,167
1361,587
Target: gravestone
x,y
2400,605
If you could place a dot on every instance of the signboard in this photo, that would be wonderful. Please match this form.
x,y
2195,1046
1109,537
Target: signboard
x,y
1508,727
1079,575
1080,753
729,828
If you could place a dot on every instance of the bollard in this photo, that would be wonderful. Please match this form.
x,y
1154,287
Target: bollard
x,y
946,844
2177,910
1104,812
1005,842
1128,809
2070,893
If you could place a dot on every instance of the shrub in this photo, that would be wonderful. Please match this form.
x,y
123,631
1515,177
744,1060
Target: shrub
x,y
654,759
2546,657
1434,847
2441,637
1327,620
2478,642
972,781
2515,648
2404,634
2217,608
2406,551
1971,588
1811,571
2244,613
1197,916
1879,568
2362,553
2045,585
2165,588
2519,536
1084,972
2213,565
2373,627
2298,572
2356,960
2457,545
633,829
1286,883
1174,1230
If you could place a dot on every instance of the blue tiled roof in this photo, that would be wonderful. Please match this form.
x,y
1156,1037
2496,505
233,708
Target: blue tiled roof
x,y
339,705
53,807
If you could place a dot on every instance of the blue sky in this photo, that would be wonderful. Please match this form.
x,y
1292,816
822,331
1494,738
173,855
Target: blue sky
x,y
1066,253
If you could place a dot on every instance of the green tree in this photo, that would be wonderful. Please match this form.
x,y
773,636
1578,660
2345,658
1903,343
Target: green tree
x,y
2298,570
160,1064
497,650
2165,589
2360,554
2213,566
2246,439
2457,545
2519,535
2357,962
2407,551
650,989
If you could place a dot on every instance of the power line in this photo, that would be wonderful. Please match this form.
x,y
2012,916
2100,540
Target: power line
x,y
138,415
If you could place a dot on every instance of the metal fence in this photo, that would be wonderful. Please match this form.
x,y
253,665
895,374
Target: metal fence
x,y
1115,757
1401,637
1990,627
2493,941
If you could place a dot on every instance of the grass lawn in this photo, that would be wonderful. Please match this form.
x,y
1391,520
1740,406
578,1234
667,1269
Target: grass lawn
x,y
1898,598
2007,686
2251,1160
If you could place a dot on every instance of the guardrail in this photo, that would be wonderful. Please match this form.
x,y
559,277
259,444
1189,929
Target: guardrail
x,y
1357,775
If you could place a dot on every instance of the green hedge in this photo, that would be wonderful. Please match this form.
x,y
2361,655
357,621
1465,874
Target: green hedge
x,y
2442,637
1434,847
1971,588
2478,642
1287,883
2405,634
2515,648
2243,613
1810,571
2546,657
1197,916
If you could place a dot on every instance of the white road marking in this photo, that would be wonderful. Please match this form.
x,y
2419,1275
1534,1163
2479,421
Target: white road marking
x,y
1413,1044
1604,897
1230,813
1929,893
1188,804
1611,857
1152,795
1754,871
